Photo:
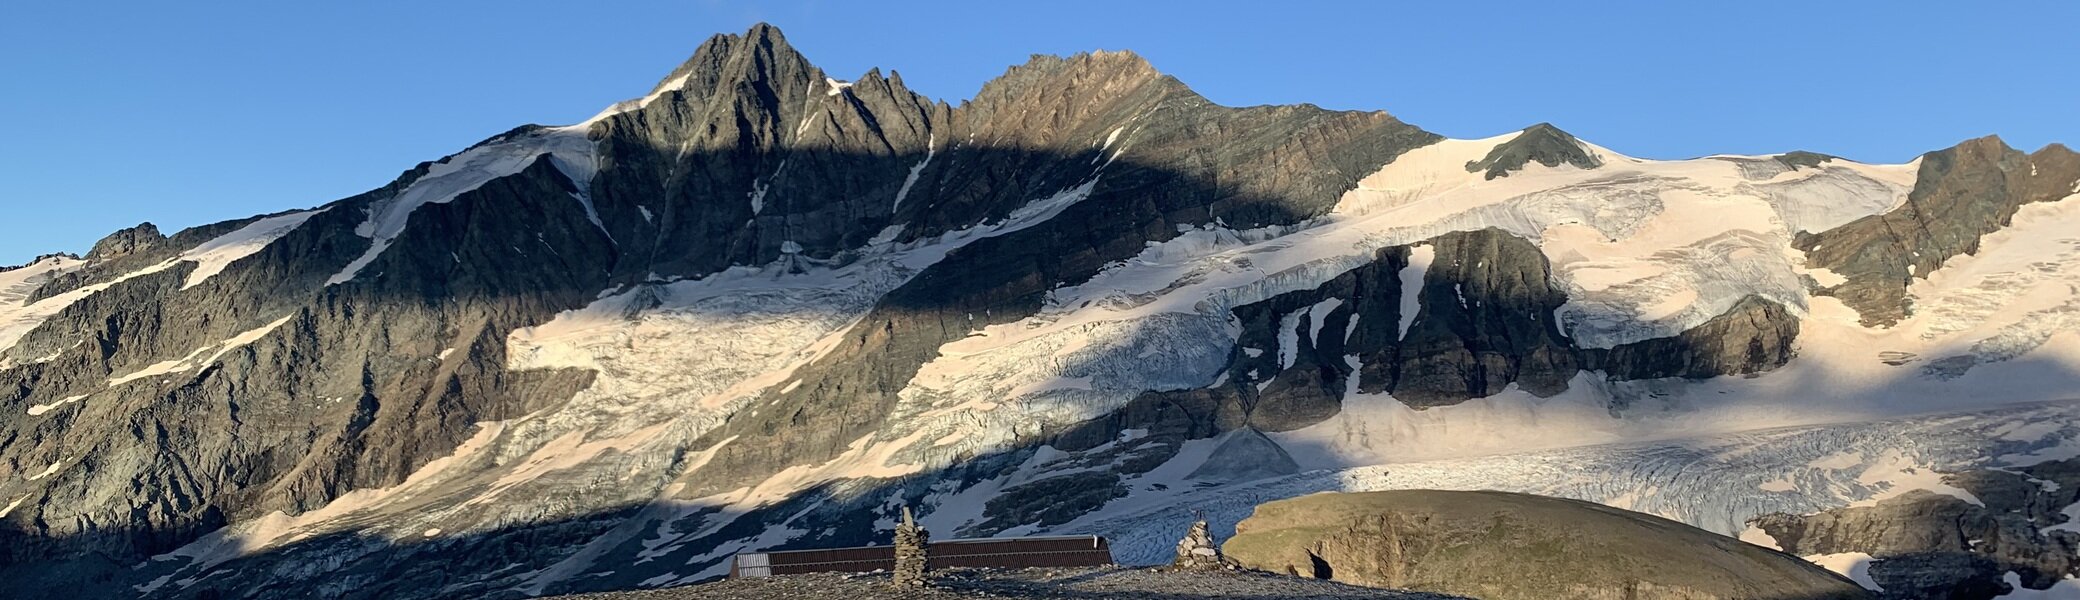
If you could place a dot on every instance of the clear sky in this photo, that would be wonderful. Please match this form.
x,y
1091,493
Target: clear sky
x,y
183,113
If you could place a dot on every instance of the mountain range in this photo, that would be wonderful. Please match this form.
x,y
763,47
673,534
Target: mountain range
x,y
760,307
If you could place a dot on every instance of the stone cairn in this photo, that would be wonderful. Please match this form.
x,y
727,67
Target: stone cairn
x,y
910,553
1197,551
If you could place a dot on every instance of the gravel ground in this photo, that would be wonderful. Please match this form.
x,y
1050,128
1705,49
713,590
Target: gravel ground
x,y
1018,584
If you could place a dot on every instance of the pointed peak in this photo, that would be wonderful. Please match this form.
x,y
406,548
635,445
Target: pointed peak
x,y
908,520
767,38
765,32
1546,128
722,50
1541,142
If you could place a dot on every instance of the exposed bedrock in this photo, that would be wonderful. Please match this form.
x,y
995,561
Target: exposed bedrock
x,y
1930,545
1960,195
1482,322
1542,143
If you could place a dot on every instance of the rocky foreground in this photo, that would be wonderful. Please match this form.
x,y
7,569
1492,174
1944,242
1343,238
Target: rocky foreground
x,y
1505,546
1096,582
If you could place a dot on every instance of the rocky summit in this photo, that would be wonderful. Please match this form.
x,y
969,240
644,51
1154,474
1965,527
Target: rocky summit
x,y
760,307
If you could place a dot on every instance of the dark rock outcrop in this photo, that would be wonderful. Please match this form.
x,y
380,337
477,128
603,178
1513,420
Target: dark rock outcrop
x,y
1483,322
1800,159
1754,336
1960,195
142,238
1929,545
1544,143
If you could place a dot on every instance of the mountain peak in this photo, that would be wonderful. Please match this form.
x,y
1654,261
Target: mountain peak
x,y
1106,74
1990,144
140,238
1541,142
760,50
1107,62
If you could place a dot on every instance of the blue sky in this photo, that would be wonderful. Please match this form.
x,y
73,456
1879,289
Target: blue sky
x,y
189,113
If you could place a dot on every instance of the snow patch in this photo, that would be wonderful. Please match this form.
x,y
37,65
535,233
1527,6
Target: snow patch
x,y
1289,338
1854,565
910,180
758,197
1317,315
2072,522
2064,589
47,471
1755,535
1419,259
190,362
40,409
212,256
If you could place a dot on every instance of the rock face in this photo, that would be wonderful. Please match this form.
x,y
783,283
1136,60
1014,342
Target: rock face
x,y
1500,546
139,239
1962,194
758,307
1480,322
1928,545
1756,335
